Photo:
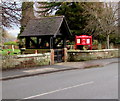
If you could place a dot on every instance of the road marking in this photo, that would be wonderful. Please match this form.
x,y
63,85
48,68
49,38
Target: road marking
x,y
61,89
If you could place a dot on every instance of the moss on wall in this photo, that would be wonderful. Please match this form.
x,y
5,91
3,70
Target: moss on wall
x,y
81,55
25,61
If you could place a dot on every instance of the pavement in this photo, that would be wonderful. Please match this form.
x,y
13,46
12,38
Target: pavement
x,y
58,67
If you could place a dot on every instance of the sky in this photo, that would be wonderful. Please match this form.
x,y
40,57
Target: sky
x,y
15,29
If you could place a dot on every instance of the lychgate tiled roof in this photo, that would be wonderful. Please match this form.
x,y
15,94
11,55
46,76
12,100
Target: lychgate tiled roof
x,y
45,26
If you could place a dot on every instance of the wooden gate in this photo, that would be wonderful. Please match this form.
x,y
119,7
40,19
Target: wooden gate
x,y
58,55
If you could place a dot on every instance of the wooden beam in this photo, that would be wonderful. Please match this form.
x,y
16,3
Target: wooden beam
x,y
51,42
64,42
38,46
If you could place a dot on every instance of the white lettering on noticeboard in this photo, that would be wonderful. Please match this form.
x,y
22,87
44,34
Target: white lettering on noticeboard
x,y
78,40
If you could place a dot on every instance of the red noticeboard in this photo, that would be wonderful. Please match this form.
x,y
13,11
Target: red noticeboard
x,y
83,40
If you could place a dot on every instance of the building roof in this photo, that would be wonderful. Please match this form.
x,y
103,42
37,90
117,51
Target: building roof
x,y
46,26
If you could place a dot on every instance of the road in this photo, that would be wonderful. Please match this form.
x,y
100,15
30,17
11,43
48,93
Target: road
x,y
91,83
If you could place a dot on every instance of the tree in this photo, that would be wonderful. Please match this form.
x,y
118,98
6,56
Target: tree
x,y
102,21
27,13
73,12
109,22
46,8
11,13
5,36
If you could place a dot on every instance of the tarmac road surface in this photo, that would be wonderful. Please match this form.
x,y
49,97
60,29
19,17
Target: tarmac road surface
x,y
91,83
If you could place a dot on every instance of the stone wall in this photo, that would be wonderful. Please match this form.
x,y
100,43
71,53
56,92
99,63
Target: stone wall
x,y
33,60
82,55
23,61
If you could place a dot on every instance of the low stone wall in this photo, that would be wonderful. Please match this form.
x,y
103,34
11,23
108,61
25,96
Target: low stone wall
x,y
29,60
83,55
